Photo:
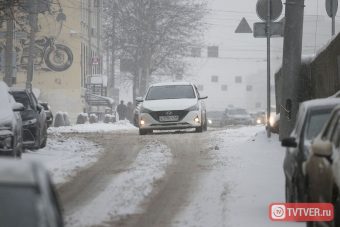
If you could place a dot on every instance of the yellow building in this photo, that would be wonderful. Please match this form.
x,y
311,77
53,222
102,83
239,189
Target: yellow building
x,y
76,25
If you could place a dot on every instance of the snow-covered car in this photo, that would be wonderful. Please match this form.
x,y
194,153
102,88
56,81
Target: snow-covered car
x,y
322,168
311,118
237,116
174,105
11,139
27,196
33,118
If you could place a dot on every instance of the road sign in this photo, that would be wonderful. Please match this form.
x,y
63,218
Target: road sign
x,y
260,29
262,9
243,27
331,7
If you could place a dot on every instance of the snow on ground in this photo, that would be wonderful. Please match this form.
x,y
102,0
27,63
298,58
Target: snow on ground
x,y
97,127
64,157
127,190
241,176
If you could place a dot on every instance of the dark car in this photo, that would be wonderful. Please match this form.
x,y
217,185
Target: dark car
x,y
27,196
33,118
215,118
49,114
237,116
311,118
11,139
322,168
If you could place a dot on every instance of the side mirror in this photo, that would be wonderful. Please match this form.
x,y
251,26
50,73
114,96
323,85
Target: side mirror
x,y
139,99
17,107
289,142
322,148
39,108
203,97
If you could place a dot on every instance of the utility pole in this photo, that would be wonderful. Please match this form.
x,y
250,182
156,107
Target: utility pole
x,y
111,80
10,55
33,21
89,49
269,21
292,49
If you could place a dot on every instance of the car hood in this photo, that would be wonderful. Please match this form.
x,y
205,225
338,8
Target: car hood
x,y
169,104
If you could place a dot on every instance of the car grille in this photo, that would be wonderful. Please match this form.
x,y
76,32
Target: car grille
x,y
180,113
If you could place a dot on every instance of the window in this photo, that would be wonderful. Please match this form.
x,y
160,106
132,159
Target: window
x,y
249,87
224,87
200,87
213,52
196,52
238,79
171,92
214,79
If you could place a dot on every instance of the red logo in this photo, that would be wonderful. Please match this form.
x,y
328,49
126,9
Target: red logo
x,y
301,212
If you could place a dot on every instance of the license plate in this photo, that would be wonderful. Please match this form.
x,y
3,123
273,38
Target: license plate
x,y
169,118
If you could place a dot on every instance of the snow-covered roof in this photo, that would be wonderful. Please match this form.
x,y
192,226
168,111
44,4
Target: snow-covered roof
x,y
170,83
16,172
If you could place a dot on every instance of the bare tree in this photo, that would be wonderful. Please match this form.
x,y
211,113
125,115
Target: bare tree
x,y
153,36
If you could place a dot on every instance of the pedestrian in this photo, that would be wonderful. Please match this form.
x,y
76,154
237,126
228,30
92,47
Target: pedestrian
x,y
129,113
122,110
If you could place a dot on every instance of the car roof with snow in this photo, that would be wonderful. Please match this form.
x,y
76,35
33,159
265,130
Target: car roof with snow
x,y
317,103
170,83
17,172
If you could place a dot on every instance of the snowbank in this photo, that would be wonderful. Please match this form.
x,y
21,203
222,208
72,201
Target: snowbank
x,y
241,176
97,127
127,191
64,157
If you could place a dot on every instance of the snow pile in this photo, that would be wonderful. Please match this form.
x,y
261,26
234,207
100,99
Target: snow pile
x,y
126,192
97,127
64,157
241,176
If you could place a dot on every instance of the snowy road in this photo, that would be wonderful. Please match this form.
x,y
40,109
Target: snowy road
x,y
218,178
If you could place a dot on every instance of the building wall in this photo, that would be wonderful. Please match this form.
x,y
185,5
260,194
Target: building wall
x,y
64,91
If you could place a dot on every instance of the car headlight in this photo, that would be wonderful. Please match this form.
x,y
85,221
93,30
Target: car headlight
x,y
29,122
258,121
210,121
271,121
194,108
144,110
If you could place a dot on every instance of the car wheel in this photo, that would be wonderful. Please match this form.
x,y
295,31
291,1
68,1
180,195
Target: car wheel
x,y
205,127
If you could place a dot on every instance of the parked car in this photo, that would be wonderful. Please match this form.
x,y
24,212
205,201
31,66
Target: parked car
x,y
322,168
27,196
237,116
11,136
174,105
48,112
33,117
215,118
311,118
259,118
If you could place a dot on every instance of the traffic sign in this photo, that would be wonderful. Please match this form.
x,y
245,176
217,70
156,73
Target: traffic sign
x,y
331,7
275,11
260,29
243,27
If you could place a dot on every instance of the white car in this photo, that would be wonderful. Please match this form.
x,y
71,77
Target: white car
x,y
174,105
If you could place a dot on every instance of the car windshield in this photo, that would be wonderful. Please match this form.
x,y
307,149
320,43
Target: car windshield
x,y
18,206
237,112
21,97
316,122
171,92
